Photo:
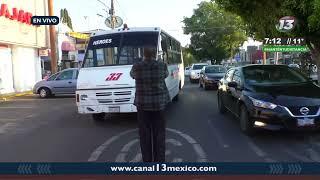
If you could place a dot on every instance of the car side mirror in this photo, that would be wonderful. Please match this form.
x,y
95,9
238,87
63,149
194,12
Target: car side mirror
x,y
233,84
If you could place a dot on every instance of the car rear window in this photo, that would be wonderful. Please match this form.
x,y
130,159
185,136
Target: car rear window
x,y
197,67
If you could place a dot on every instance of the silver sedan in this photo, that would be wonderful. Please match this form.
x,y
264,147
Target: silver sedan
x,y
63,82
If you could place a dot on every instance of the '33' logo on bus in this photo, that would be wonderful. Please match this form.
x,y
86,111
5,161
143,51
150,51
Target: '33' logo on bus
x,y
114,77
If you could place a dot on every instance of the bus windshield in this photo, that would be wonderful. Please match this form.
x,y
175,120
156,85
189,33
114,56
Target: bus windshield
x,y
119,48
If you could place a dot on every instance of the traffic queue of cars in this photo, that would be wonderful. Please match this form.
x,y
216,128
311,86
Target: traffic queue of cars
x,y
261,96
271,97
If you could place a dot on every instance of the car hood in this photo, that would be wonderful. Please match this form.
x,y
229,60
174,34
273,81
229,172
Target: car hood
x,y
101,77
306,94
215,75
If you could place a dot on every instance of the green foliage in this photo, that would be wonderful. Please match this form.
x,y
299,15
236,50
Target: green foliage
x,y
261,16
215,33
65,18
188,58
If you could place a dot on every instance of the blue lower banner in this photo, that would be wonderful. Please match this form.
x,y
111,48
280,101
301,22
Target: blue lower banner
x,y
160,169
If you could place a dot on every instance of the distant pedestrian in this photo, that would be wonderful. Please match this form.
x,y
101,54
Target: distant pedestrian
x,y
151,98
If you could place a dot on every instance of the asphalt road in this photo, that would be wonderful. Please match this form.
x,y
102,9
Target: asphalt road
x,y
38,130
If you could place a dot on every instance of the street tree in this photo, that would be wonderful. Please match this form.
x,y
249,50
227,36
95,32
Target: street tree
x,y
215,33
65,18
188,57
260,16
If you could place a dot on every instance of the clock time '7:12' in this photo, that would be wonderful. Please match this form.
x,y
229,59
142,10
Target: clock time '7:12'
x,y
272,41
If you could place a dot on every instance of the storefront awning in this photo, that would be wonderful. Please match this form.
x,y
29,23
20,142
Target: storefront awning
x,y
68,46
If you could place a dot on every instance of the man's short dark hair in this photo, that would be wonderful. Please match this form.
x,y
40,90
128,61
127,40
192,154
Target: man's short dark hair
x,y
149,52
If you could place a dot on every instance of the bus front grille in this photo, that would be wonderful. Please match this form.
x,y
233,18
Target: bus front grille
x,y
123,93
104,94
105,101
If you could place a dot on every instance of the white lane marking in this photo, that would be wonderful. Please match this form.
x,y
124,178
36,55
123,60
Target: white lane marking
x,y
185,136
98,151
295,155
177,160
137,158
202,157
256,149
127,147
8,119
313,155
218,137
38,99
17,107
124,151
174,142
270,160
259,152
6,127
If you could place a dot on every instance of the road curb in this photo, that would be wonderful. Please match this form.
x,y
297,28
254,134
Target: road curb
x,y
7,97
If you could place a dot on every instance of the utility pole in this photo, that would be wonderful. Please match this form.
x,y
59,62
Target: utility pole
x,y
112,12
52,40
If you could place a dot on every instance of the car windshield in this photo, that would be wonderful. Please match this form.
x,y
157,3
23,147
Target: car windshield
x,y
53,77
198,66
119,48
272,75
215,69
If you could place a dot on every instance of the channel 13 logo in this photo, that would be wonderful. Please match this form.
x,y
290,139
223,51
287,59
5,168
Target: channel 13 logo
x,y
44,20
286,24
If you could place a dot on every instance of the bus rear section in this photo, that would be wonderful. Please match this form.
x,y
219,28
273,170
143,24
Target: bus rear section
x,y
104,83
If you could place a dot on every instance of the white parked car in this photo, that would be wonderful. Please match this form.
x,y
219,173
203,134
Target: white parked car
x,y
187,71
195,71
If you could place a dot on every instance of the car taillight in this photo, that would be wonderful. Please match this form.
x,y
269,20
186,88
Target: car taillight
x,y
78,98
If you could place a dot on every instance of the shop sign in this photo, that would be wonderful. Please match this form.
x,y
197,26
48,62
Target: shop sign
x,y
43,52
15,14
78,35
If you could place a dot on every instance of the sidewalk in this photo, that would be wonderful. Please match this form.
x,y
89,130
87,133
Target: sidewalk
x,y
6,97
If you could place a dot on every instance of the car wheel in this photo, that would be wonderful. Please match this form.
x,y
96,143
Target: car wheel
x,y
221,107
99,117
246,125
44,92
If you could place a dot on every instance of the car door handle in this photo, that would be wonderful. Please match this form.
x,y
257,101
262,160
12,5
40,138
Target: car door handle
x,y
69,82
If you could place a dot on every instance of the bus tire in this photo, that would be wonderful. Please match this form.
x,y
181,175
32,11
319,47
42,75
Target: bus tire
x,y
99,117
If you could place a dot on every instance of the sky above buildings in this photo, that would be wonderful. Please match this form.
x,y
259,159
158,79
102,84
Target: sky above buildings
x,y
166,14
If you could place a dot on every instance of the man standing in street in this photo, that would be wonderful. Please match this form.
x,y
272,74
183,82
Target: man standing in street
x,y
151,98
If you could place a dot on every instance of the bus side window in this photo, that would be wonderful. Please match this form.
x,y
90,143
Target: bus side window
x,y
170,53
164,48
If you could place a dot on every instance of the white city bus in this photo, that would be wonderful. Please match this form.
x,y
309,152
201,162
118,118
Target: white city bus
x,y
104,84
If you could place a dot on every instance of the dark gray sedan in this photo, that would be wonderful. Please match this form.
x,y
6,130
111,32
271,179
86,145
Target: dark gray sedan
x,y
63,82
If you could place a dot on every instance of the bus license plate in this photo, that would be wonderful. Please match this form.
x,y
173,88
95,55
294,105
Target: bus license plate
x,y
305,122
114,109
